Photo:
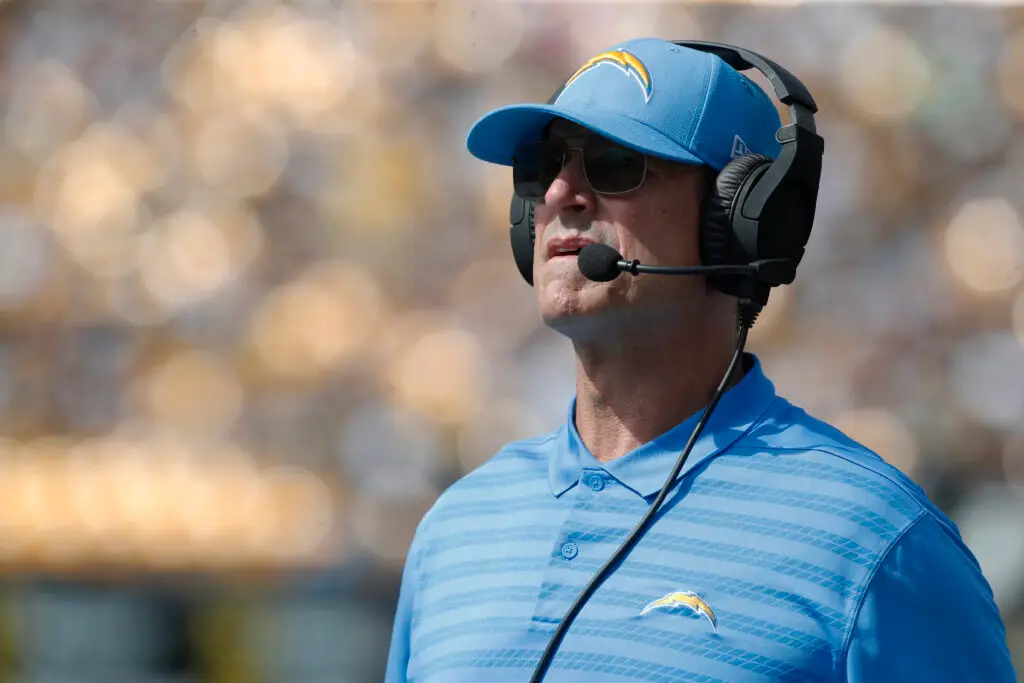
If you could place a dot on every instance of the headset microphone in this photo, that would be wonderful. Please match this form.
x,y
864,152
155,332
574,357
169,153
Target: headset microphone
x,y
602,263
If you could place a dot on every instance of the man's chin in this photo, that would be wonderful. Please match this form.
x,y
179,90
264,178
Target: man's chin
x,y
582,323
561,300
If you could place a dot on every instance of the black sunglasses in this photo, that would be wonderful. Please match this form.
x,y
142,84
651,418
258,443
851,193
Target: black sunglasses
x,y
608,168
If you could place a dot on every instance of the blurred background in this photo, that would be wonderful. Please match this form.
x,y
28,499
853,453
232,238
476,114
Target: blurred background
x,y
258,307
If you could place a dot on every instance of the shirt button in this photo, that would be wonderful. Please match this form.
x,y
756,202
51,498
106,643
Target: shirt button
x,y
569,550
596,482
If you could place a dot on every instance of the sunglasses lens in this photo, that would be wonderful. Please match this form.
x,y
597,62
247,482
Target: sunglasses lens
x,y
535,166
612,169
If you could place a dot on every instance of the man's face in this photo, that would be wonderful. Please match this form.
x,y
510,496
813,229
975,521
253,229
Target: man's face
x,y
656,223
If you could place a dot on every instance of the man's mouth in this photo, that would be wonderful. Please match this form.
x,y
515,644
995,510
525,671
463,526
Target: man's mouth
x,y
567,247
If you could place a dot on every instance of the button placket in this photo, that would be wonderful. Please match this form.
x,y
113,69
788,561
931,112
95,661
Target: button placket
x,y
562,582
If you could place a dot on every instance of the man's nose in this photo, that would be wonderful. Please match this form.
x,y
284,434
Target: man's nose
x,y
570,191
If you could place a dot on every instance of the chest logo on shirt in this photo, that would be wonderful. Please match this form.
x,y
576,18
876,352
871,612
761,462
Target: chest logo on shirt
x,y
688,601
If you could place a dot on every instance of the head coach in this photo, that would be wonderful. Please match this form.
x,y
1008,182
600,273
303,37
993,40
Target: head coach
x,y
686,523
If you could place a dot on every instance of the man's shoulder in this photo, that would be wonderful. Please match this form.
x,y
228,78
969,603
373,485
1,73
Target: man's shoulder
x,y
834,473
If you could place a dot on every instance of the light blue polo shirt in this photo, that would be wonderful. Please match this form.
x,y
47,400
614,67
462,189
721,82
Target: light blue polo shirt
x,y
786,552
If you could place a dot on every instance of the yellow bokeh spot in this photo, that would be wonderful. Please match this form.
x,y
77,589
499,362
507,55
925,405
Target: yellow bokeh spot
x,y
318,322
984,245
194,390
441,373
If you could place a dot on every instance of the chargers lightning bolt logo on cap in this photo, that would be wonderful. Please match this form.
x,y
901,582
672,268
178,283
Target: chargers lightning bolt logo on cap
x,y
686,599
626,62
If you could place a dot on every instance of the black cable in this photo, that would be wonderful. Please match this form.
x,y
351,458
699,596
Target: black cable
x,y
746,316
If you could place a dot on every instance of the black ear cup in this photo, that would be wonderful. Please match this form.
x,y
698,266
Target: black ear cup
x,y
717,235
522,234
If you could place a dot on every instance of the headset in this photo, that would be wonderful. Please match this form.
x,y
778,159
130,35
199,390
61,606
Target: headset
x,y
757,208
758,211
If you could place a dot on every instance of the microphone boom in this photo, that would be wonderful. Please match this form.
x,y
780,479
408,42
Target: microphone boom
x,y
602,263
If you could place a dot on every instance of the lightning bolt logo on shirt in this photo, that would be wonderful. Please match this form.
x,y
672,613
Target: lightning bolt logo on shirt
x,y
686,599
626,62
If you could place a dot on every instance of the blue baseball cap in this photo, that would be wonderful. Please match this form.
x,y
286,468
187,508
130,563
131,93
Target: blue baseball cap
x,y
650,95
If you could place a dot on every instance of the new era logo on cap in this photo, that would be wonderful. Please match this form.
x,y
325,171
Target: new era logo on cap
x,y
739,148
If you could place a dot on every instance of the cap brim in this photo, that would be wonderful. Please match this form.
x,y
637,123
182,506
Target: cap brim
x,y
496,135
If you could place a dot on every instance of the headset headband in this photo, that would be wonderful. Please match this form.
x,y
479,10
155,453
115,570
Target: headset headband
x,y
792,179
788,87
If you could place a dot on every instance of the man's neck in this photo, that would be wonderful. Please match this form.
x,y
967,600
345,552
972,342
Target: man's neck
x,y
627,397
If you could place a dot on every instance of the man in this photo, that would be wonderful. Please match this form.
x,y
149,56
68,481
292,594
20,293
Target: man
x,y
785,551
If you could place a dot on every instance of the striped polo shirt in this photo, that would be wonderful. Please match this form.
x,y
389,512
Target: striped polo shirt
x,y
786,552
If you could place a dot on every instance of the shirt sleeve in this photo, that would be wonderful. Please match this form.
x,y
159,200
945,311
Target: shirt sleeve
x,y
929,615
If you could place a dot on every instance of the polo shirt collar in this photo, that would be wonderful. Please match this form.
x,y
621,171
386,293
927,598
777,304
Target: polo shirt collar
x,y
645,468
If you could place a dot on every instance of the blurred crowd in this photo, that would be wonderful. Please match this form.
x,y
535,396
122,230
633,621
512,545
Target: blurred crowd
x,y
258,307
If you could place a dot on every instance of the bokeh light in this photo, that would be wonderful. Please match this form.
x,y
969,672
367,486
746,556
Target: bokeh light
x,y
883,73
90,194
442,373
50,107
318,322
984,244
883,432
605,24
241,155
282,60
194,390
384,525
477,38
189,255
987,377
154,501
306,516
392,32
492,299
380,188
